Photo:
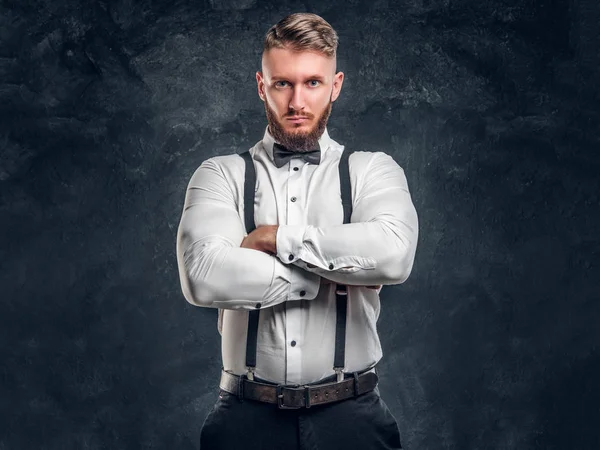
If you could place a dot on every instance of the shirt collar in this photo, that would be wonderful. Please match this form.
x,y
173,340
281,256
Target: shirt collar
x,y
268,141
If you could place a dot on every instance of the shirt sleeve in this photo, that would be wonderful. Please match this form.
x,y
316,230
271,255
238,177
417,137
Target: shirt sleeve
x,y
214,270
378,247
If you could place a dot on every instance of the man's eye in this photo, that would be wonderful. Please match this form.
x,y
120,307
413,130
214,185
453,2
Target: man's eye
x,y
280,83
314,83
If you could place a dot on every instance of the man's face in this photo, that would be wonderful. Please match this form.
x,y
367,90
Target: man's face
x,y
298,89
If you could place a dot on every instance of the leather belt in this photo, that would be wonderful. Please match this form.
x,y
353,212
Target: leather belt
x,y
299,396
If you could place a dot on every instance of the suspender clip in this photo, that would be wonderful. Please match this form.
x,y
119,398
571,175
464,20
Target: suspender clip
x,y
250,373
340,373
341,289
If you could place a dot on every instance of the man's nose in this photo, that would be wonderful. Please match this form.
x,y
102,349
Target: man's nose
x,y
297,101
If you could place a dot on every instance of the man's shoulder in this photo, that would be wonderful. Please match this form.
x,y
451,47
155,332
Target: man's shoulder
x,y
372,163
364,157
361,152
231,162
228,167
224,160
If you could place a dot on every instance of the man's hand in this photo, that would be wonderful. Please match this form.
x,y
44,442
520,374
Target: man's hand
x,y
263,239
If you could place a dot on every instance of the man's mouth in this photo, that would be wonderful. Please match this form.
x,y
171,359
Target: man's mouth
x,y
297,119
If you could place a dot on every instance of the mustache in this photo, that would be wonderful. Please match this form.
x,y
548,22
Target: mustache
x,y
307,115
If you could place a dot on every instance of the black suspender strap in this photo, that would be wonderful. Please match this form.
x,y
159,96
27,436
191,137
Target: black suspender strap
x,y
341,290
341,293
341,304
249,186
345,190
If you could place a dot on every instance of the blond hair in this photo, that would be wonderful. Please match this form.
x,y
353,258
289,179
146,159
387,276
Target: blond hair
x,y
302,32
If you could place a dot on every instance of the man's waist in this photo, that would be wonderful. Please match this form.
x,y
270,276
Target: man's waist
x,y
326,379
278,368
293,396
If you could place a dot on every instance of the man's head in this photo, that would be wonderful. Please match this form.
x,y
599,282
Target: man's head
x,y
298,82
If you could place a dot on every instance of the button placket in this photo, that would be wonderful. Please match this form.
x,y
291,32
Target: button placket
x,y
293,318
294,354
293,201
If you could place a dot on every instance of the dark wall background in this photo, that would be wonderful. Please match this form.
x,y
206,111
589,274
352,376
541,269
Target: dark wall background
x,y
493,109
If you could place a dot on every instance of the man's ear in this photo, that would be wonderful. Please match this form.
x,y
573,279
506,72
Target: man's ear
x,y
338,80
260,85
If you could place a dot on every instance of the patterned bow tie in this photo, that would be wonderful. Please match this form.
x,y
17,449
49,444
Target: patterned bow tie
x,y
282,155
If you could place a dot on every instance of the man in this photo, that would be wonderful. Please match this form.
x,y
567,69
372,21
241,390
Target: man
x,y
299,266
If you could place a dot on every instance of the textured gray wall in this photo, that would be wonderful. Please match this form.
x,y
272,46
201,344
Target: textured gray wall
x,y
493,109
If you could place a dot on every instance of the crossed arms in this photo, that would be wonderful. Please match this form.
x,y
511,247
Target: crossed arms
x,y
220,267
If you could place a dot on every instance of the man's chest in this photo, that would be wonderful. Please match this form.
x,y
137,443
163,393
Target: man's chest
x,y
307,196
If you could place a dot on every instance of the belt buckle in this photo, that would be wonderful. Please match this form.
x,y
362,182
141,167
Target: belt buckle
x,y
279,393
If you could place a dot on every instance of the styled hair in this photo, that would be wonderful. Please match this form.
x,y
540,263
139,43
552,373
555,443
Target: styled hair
x,y
302,32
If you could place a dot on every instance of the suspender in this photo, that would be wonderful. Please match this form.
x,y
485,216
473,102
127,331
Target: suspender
x,y
341,293
249,187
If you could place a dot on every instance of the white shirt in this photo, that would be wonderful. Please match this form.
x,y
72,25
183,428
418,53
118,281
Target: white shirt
x,y
297,302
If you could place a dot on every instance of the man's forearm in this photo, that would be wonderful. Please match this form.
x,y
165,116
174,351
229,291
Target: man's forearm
x,y
214,274
369,253
264,239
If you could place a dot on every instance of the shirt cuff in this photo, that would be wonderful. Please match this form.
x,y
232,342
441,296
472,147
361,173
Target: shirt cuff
x,y
289,242
304,285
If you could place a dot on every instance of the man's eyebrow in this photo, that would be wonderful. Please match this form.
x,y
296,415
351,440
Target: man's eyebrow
x,y
312,77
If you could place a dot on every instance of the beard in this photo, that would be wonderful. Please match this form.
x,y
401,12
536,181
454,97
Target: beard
x,y
299,141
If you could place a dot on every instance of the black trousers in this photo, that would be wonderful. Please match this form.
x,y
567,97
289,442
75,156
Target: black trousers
x,y
363,422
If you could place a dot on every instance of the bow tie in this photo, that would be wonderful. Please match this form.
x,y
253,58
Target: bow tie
x,y
282,155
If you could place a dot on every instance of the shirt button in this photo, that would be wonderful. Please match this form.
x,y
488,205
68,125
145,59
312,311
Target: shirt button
x,y
295,168
302,293
257,306
291,257
293,343
330,266
293,199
